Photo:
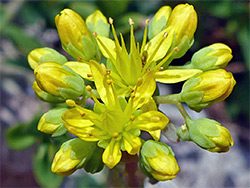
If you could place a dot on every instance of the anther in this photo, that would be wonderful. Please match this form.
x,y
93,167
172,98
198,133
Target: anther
x,y
148,69
176,49
108,72
109,81
155,119
70,102
89,75
147,21
165,35
132,89
132,95
82,114
184,127
111,20
94,34
89,88
116,134
132,118
90,133
79,59
161,69
131,22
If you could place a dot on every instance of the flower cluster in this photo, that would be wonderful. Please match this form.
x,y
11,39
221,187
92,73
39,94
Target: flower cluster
x,y
122,85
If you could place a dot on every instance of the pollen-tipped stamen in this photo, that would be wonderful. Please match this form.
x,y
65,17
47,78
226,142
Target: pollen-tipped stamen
x,y
100,106
144,37
166,58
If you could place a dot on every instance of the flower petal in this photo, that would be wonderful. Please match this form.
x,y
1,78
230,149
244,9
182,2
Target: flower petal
x,y
132,143
150,121
155,134
82,69
107,47
112,154
171,76
105,90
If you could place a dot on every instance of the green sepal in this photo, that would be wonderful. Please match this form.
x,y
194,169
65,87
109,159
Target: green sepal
x,y
207,127
59,131
170,132
75,83
103,143
44,96
71,50
68,93
191,97
144,169
54,115
102,28
137,113
156,27
95,163
183,134
89,48
135,132
54,56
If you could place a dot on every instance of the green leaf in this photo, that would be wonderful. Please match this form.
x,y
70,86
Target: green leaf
x,y
42,171
18,138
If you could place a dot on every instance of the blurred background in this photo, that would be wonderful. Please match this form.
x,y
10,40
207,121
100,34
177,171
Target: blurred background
x,y
26,153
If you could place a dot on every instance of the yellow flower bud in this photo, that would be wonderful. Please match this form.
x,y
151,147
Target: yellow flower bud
x,y
209,87
75,37
210,135
214,56
72,155
183,20
158,160
51,121
98,23
41,55
59,80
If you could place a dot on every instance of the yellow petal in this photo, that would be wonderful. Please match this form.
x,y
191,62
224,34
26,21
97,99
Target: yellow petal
x,y
171,76
143,92
155,134
151,121
82,69
132,143
81,117
107,47
112,154
105,90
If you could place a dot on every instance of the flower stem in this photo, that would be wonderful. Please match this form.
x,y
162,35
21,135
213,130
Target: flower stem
x,y
172,99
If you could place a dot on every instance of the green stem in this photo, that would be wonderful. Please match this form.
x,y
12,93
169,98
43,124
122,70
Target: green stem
x,y
172,99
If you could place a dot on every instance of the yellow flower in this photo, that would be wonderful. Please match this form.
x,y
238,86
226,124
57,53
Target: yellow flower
x,y
158,160
116,124
73,154
207,88
210,135
75,37
126,67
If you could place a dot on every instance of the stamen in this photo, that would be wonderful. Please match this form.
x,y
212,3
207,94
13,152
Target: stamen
x,y
111,20
165,59
132,118
82,114
161,68
132,95
176,49
103,69
79,59
70,102
89,75
108,72
132,89
148,69
89,88
144,37
131,22
144,58
116,134
156,50
90,133
109,81
94,34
